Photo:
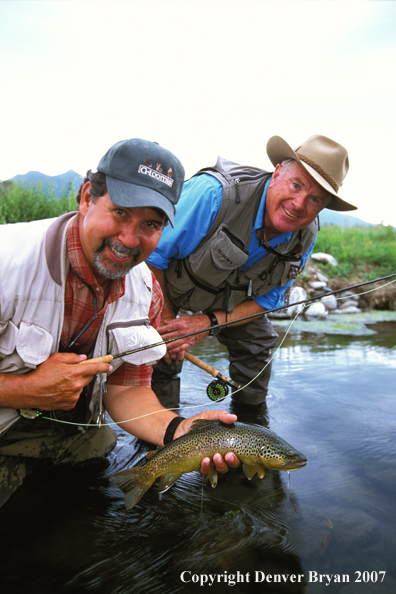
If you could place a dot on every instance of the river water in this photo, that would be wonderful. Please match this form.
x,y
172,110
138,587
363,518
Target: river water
x,y
332,397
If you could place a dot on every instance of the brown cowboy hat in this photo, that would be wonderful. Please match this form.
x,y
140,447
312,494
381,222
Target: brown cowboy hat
x,y
324,159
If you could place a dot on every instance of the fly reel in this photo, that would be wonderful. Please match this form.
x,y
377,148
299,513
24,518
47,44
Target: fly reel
x,y
217,390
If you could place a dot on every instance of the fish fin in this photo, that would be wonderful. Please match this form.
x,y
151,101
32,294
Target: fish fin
x,y
166,481
260,470
212,475
202,424
133,483
249,470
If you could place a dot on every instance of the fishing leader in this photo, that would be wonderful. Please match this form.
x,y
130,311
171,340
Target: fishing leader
x,y
73,289
241,237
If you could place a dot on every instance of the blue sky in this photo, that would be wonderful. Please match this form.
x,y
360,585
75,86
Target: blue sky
x,y
203,78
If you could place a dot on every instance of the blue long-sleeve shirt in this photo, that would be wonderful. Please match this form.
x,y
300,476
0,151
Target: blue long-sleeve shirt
x,y
195,212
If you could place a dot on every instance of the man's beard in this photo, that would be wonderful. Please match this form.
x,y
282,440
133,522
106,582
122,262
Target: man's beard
x,y
110,269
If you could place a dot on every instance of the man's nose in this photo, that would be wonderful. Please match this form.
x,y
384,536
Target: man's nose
x,y
299,201
129,235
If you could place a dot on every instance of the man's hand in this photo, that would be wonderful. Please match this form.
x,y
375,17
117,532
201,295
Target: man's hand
x,y
180,326
57,383
230,460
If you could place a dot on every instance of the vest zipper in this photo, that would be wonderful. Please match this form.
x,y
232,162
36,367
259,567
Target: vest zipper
x,y
237,180
237,197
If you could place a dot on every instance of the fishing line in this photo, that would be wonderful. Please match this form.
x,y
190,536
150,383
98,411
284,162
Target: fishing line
x,y
273,355
179,407
251,317
303,302
293,321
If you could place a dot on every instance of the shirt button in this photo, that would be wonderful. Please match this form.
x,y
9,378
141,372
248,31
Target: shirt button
x,y
97,288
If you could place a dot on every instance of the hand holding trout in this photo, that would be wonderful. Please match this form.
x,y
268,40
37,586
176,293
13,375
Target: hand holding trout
x,y
257,447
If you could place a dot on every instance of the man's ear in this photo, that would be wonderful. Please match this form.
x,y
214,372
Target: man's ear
x,y
86,199
275,175
277,171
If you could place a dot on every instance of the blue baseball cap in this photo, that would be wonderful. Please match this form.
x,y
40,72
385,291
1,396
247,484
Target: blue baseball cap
x,y
140,173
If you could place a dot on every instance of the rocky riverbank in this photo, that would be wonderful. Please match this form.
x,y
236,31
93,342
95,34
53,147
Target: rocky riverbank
x,y
314,283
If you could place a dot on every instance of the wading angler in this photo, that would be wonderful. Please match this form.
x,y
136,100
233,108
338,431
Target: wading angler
x,y
77,289
241,237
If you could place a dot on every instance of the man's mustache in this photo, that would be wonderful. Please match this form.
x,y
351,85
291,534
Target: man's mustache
x,y
120,248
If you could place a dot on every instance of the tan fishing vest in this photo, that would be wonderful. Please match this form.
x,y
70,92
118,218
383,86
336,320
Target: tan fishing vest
x,y
33,269
210,278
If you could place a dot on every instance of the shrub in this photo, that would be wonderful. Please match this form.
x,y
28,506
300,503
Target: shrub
x,y
363,253
30,202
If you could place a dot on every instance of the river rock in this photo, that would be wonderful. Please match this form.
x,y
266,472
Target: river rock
x,y
350,295
348,310
321,277
329,301
316,285
344,303
297,294
324,258
316,310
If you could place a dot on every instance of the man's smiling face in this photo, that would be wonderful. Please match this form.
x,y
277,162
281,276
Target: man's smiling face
x,y
294,200
114,238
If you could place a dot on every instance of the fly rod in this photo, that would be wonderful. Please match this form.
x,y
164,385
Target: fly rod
x,y
251,317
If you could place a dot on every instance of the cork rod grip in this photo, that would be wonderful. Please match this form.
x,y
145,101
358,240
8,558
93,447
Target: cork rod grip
x,y
104,359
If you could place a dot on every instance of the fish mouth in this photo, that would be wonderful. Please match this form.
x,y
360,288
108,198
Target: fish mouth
x,y
294,465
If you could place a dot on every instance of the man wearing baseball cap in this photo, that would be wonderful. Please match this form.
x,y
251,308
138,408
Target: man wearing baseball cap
x,y
241,237
73,290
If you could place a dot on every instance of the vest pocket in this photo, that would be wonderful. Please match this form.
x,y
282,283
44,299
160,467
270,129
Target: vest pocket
x,y
213,262
33,344
133,334
279,276
8,338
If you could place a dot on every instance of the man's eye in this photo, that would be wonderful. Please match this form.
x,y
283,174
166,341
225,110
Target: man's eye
x,y
154,225
120,212
296,186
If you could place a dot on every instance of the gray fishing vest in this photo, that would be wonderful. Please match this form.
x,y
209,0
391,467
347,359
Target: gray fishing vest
x,y
210,278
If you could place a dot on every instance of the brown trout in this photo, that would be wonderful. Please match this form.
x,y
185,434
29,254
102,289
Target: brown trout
x,y
256,447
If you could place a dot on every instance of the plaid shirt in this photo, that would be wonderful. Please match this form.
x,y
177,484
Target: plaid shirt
x,y
79,309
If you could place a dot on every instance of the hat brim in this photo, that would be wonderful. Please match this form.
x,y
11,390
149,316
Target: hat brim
x,y
278,150
129,195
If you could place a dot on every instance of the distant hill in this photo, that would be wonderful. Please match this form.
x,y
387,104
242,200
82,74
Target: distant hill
x,y
58,181
333,217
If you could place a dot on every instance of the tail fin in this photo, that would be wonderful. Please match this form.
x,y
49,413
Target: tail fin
x,y
133,483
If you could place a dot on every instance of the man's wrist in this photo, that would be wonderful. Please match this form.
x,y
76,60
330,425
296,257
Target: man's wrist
x,y
213,323
171,428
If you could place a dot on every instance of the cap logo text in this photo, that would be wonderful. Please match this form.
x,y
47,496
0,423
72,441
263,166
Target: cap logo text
x,y
156,173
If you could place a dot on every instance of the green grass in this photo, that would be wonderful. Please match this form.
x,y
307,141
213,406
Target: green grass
x,y
362,253
30,202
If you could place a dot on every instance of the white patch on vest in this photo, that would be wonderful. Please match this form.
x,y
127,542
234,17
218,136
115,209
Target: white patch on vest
x,y
132,341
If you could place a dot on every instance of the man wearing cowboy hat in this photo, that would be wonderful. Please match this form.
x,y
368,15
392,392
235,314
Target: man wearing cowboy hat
x,y
241,237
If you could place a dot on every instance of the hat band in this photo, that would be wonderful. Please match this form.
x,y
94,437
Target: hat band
x,y
319,170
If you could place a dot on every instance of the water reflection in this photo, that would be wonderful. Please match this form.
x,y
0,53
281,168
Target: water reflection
x,y
332,397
